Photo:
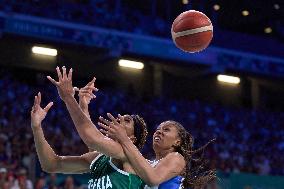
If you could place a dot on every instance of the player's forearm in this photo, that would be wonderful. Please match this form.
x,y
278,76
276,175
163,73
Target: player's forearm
x,y
86,129
141,166
85,110
47,157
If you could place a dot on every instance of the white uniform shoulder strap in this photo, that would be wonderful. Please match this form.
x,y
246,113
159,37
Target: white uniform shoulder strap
x,y
153,164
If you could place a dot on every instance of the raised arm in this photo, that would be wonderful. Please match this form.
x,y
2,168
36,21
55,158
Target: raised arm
x,y
167,168
86,95
88,132
170,166
50,162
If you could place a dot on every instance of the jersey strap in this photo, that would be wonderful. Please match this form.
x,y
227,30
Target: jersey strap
x,y
92,163
117,169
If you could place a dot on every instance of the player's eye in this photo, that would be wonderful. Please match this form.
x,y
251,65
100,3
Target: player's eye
x,y
166,129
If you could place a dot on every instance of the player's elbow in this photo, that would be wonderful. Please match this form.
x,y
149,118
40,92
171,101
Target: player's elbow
x,y
52,166
48,169
153,181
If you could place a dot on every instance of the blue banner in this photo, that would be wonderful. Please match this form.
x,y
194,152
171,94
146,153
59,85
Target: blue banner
x,y
120,42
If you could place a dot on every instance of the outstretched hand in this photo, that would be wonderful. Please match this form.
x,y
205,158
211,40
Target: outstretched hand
x,y
86,94
64,83
38,113
113,128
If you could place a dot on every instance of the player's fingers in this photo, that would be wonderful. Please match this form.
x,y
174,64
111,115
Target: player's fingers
x,y
114,127
105,121
104,132
59,73
113,119
91,82
64,72
105,127
76,89
35,98
34,105
39,98
52,81
70,74
108,129
90,94
85,90
86,95
46,109
90,88
120,118
37,104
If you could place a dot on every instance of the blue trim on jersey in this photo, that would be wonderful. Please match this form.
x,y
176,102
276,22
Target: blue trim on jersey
x,y
173,183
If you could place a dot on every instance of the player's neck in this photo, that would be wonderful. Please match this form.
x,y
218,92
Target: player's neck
x,y
163,153
118,163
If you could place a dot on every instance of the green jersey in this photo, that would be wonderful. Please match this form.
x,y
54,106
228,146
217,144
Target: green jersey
x,y
105,175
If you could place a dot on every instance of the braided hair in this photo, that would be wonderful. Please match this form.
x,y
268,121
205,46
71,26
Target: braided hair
x,y
140,131
195,174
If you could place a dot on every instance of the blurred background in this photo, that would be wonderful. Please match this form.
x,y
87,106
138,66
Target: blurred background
x,y
93,36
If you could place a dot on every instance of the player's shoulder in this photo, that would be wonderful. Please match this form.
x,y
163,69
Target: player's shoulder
x,y
97,159
91,156
175,157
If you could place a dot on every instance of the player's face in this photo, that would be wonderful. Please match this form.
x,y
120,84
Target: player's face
x,y
128,123
3,175
165,137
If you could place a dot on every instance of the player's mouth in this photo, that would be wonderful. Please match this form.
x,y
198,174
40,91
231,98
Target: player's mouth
x,y
157,138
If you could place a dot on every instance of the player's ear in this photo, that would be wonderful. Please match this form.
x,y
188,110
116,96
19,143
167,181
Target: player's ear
x,y
177,143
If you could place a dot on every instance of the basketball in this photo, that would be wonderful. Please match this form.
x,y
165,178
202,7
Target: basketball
x,y
192,31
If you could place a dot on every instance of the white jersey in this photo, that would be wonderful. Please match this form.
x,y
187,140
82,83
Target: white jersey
x,y
173,183
153,164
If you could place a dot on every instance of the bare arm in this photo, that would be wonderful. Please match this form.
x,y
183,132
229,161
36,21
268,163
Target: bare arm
x,y
170,166
88,132
85,96
50,162
85,111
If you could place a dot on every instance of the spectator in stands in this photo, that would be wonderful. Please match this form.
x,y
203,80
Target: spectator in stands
x,y
40,183
235,129
3,177
22,181
69,183
52,180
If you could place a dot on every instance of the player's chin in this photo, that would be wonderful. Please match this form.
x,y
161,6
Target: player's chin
x,y
156,143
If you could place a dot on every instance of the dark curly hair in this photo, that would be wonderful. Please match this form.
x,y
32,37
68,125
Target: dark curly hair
x,y
195,173
140,131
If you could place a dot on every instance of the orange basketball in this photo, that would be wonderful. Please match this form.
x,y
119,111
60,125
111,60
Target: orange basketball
x,y
192,31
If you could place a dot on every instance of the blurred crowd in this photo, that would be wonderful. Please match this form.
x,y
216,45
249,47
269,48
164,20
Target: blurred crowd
x,y
110,14
247,140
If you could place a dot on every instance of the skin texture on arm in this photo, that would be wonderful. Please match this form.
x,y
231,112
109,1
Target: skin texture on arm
x,y
88,132
86,95
170,166
51,162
